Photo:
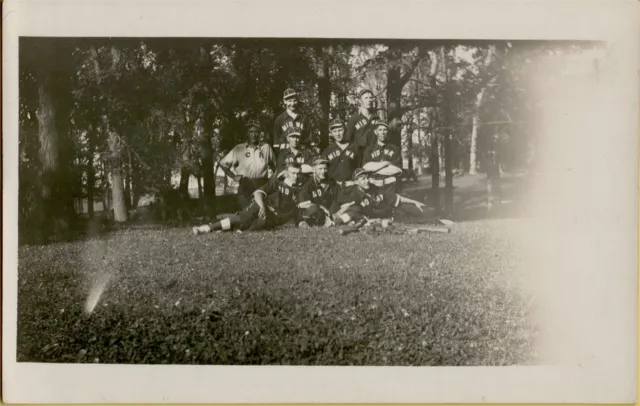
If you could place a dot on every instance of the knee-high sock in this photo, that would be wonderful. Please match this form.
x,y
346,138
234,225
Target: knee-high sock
x,y
230,223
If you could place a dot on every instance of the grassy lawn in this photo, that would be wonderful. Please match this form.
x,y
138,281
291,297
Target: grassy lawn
x,y
305,297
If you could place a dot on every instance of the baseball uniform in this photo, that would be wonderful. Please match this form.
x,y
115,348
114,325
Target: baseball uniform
x,y
342,162
318,193
384,152
372,204
252,162
360,131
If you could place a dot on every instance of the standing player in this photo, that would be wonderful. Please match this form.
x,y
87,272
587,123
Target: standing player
x,y
318,196
359,201
360,125
292,117
248,164
275,204
341,155
382,151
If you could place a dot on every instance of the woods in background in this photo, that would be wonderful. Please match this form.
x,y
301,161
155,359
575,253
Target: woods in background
x,y
113,120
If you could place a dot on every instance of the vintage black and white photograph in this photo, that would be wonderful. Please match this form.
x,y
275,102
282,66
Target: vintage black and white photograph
x,y
276,201
322,201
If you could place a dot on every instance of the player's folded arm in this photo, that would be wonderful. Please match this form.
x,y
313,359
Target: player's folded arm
x,y
393,198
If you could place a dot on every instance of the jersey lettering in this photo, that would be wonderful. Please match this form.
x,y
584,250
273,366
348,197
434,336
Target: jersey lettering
x,y
284,190
292,124
336,154
361,123
382,152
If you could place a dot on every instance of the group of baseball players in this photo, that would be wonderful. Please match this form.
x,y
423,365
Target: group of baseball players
x,y
293,183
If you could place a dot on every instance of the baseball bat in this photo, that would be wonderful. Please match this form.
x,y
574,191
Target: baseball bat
x,y
416,230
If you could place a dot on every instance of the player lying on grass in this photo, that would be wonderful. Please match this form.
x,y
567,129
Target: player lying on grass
x,y
361,201
318,196
274,205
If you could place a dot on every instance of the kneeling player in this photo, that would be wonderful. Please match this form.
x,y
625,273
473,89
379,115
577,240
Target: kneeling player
x,y
274,204
360,201
318,196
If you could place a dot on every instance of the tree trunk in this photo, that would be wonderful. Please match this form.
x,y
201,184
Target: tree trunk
x,y
448,170
129,184
324,95
135,183
441,156
48,137
117,187
410,149
127,188
394,114
57,209
435,164
474,135
183,188
473,161
208,177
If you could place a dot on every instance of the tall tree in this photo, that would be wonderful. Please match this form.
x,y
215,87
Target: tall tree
x,y
117,183
400,69
53,70
485,79
324,92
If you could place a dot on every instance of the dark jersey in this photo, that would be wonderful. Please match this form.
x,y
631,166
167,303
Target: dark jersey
x,y
284,121
360,130
281,197
342,162
303,156
371,203
321,193
387,152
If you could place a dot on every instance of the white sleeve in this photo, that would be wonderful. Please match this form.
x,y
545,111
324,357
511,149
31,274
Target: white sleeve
x,y
230,159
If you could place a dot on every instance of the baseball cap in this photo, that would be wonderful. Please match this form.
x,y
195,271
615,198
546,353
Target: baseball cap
x,y
289,93
381,123
336,123
252,123
319,160
358,172
363,91
292,132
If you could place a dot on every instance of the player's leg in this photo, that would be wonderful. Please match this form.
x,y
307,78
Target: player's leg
x,y
244,194
225,224
239,221
312,216
354,213
246,187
